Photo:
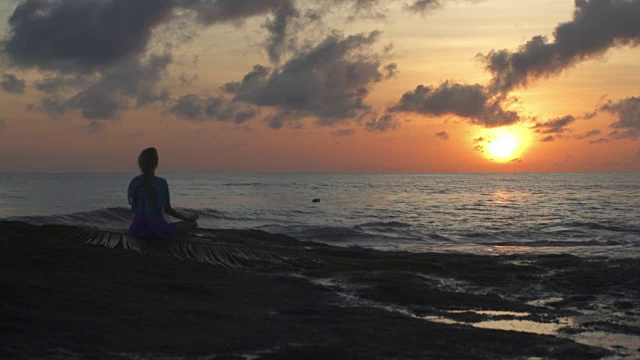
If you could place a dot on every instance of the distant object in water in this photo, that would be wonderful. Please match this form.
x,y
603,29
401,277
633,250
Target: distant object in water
x,y
316,200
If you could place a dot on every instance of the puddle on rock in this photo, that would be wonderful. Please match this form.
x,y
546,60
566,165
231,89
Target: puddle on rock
x,y
528,326
609,341
491,312
627,345
544,302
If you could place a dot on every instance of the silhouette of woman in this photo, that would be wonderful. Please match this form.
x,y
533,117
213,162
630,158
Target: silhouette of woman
x,y
148,196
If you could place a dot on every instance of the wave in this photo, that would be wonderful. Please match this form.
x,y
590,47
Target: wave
x,y
384,224
253,184
573,226
383,233
10,196
326,233
556,243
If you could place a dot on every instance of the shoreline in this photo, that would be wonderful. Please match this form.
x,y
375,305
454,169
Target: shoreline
x,y
63,298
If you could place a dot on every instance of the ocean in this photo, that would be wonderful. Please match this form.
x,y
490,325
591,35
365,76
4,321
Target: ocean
x,y
585,214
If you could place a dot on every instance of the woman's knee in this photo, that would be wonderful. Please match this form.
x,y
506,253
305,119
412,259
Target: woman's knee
x,y
184,227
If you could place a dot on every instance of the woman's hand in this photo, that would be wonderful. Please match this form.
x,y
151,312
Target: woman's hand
x,y
192,217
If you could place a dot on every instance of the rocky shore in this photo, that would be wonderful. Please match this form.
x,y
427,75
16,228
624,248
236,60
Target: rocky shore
x,y
279,298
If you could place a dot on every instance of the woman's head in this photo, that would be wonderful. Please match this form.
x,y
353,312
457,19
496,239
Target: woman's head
x,y
148,160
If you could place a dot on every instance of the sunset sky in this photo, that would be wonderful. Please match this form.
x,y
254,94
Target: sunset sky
x,y
332,85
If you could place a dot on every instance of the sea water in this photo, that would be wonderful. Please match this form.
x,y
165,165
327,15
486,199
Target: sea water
x,y
587,214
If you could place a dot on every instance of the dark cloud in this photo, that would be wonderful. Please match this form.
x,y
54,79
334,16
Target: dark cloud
x,y
555,126
195,108
67,34
211,12
3,124
284,118
588,134
88,52
330,81
132,82
442,135
377,9
278,28
11,84
599,141
424,5
391,70
186,79
55,84
467,101
344,132
597,26
627,112
383,123
548,138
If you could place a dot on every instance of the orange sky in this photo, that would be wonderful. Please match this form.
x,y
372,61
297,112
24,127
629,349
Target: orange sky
x,y
428,48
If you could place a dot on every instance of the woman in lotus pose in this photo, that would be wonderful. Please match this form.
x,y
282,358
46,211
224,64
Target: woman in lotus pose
x,y
149,199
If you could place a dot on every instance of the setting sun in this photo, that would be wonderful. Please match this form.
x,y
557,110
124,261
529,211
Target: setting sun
x,y
503,147
503,144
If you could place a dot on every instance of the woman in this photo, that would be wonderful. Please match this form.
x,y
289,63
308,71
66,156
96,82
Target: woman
x,y
149,196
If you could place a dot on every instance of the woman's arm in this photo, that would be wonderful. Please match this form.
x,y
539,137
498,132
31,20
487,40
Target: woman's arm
x,y
172,212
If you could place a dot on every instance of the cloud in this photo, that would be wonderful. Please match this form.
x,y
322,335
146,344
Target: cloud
x,y
95,53
284,118
211,12
58,83
391,70
278,28
449,98
424,5
344,132
599,141
186,79
65,35
555,126
548,138
330,81
588,134
628,117
597,26
11,84
376,7
132,82
442,135
383,123
194,108
3,124
85,49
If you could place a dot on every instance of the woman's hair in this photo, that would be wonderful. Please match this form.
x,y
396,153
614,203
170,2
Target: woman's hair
x,y
148,160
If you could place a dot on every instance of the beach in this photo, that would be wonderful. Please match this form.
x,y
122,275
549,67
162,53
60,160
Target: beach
x,y
280,298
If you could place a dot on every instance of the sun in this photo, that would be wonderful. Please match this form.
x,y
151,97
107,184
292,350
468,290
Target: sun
x,y
503,144
503,147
